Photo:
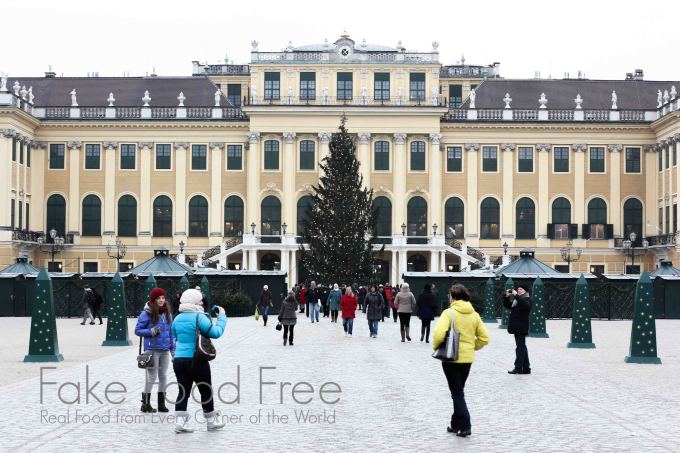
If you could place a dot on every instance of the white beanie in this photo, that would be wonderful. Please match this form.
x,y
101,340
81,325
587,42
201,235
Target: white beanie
x,y
191,296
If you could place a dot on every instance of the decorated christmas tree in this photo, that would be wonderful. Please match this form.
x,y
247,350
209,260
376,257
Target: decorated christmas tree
x,y
509,284
116,325
341,224
537,316
183,283
581,331
205,289
643,331
43,345
489,302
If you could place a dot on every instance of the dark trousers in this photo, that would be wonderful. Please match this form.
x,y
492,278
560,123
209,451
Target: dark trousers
x,y
334,315
287,329
189,373
456,375
425,329
97,313
394,314
521,353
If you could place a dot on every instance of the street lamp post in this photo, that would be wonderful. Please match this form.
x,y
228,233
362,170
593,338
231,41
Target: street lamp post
x,y
629,245
120,250
56,246
505,248
434,229
283,228
252,228
403,229
567,255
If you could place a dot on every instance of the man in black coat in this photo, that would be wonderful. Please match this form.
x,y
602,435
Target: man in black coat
x,y
519,304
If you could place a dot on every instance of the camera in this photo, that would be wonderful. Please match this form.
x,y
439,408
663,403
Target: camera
x,y
215,309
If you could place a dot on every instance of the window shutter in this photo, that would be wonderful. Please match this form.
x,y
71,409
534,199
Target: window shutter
x,y
551,231
609,231
573,231
585,231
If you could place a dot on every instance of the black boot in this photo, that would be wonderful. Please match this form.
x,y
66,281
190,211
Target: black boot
x,y
146,403
161,402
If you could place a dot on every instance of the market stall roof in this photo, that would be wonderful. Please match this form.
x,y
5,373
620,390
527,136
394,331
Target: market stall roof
x,y
213,271
160,263
526,264
531,276
21,266
665,269
480,274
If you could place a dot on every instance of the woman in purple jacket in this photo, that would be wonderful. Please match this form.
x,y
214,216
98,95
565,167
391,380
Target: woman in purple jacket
x,y
155,326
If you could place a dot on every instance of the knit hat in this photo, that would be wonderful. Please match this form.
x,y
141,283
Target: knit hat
x,y
156,293
191,296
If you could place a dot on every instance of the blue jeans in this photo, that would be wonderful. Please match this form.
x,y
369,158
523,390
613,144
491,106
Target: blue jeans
x,y
347,324
456,375
373,326
314,312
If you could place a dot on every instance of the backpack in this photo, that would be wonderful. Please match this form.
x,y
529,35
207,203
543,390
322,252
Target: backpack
x,y
205,350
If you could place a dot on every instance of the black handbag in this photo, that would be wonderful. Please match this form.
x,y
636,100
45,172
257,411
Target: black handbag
x,y
278,326
144,359
205,349
448,350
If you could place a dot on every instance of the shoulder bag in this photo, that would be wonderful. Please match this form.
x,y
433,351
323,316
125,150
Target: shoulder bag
x,y
205,350
448,350
144,359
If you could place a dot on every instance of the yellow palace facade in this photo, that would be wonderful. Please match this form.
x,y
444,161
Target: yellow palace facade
x,y
467,167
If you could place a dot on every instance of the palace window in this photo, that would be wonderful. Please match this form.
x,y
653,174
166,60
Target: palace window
x,y
454,218
270,213
199,157
92,157
127,216
14,149
56,216
416,216
525,219
383,212
490,219
128,157
561,159
597,159
307,86
597,218
344,86
304,208
272,86
233,217
234,157
454,158
632,160
381,155
57,156
21,152
381,86
162,216
489,158
198,217
271,155
561,218
632,219
417,86
163,157
92,216
417,156
456,96
306,155
525,159
234,94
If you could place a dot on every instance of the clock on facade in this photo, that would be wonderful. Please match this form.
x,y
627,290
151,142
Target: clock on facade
x,y
345,51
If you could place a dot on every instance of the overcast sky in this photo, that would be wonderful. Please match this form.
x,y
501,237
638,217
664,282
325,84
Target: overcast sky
x,y
604,39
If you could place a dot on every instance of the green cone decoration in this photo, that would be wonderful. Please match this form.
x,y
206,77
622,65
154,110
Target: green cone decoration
x,y
581,329
509,284
43,344
116,325
537,316
643,331
184,283
489,303
149,284
205,289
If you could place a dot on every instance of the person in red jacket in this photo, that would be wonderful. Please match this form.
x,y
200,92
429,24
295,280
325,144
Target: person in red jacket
x,y
348,305
390,297
301,299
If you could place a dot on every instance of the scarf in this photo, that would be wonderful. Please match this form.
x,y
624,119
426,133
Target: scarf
x,y
191,308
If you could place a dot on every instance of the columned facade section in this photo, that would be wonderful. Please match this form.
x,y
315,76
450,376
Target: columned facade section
x,y
216,203
73,221
144,233
289,172
180,205
399,180
252,213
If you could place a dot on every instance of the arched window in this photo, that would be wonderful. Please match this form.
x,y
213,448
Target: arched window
x,y
454,217
198,216
416,214
92,216
270,213
307,155
162,216
56,216
270,262
417,156
525,219
304,208
597,218
490,219
233,216
383,212
632,219
381,155
416,263
561,219
127,216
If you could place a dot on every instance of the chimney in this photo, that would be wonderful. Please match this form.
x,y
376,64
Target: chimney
x,y
49,74
639,75
629,76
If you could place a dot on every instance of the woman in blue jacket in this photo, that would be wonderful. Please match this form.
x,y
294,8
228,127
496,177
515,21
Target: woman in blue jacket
x,y
334,302
189,371
154,325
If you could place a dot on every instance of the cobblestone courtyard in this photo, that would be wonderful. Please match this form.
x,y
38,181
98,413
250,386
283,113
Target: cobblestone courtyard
x,y
393,395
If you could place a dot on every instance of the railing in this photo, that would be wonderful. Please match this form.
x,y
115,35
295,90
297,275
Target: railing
x,y
490,114
475,253
26,236
212,251
464,71
233,113
456,114
93,112
128,112
57,112
632,115
454,243
525,115
560,115
359,101
662,240
596,115
163,112
332,57
417,240
233,242
223,69
270,239
199,112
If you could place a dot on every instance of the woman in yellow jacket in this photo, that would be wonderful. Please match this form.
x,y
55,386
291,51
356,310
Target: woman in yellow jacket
x,y
473,336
